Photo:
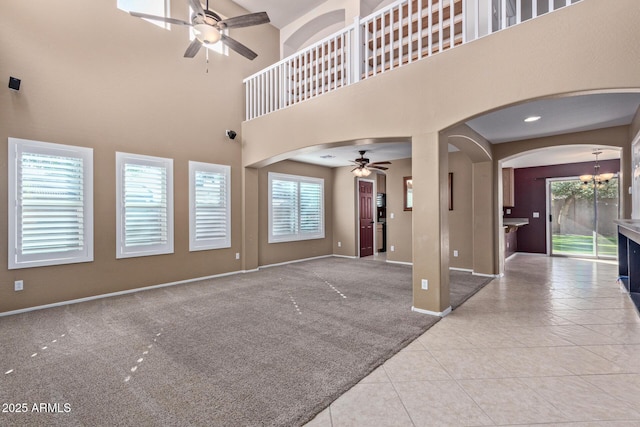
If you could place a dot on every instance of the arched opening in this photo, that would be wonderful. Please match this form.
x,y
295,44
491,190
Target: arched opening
x,y
314,30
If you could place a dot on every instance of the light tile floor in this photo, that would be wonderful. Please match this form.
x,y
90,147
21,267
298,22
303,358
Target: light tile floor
x,y
554,341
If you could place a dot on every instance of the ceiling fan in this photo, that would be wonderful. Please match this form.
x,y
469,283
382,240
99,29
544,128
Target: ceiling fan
x,y
363,166
208,26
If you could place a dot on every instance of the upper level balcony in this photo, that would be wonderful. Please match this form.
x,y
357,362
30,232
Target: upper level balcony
x,y
397,35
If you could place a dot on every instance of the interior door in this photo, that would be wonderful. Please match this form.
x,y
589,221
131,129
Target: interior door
x,y
367,220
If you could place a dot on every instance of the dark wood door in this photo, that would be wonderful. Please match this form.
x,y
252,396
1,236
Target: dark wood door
x,y
365,196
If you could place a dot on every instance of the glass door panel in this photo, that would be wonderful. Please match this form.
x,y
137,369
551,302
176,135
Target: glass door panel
x,y
572,218
581,218
607,212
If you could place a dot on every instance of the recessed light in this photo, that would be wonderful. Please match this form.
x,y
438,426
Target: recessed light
x,y
532,119
328,156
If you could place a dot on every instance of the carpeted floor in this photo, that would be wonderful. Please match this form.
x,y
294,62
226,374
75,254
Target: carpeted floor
x,y
267,348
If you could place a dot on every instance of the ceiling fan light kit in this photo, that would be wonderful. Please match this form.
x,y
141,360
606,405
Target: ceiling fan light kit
x,y
207,28
206,33
364,167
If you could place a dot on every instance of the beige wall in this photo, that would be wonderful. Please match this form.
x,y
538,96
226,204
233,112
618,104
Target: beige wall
x,y
345,222
461,217
273,253
400,227
94,76
426,97
432,95
400,230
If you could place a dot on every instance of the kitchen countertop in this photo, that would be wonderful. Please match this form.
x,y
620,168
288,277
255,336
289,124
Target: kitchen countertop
x,y
515,222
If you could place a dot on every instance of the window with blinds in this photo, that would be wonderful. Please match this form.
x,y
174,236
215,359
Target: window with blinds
x,y
209,206
296,208
144,205
51,204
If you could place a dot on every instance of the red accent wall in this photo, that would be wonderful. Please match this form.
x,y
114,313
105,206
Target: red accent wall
x,y
530,196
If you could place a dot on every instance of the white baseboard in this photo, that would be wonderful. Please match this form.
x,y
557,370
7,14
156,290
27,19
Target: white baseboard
x,y
293,261
493,276
464,270
119,293
400,262
432,313
345,256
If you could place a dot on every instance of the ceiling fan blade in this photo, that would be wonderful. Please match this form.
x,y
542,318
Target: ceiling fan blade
x,y
379,163
197,7
245,20
382,168
193,49
238,47
159,18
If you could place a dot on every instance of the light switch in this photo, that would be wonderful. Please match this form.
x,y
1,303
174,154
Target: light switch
x,y
536,214
508,211
392,215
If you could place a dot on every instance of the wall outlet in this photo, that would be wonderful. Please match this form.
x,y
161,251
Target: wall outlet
x,y
536,214
508,211
18,285
425,284
393,248
237,255
339,244
392,215
455,253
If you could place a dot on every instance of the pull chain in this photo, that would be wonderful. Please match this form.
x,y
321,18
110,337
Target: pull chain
x,y
207,56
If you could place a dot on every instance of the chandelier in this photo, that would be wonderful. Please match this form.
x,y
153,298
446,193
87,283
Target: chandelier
x,y
597,179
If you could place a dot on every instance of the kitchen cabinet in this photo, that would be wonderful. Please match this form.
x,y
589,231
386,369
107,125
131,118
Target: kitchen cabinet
x,y
508,196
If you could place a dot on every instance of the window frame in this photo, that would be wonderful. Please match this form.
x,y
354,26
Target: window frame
x,y
16,147
143,250
299,235
208,244
161,24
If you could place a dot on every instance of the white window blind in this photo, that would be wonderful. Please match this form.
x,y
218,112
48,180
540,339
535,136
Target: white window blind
x,y
209,206
145,205
296,208
50,204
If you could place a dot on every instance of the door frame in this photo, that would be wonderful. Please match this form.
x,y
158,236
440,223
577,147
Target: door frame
x,y
357,219
548,216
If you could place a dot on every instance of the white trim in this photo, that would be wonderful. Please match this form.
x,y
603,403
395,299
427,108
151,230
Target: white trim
x,y
400,262
16,260
465,270
119,293
299,236
432,313
294,261
211,243
122,251
511,256
345,256
494,276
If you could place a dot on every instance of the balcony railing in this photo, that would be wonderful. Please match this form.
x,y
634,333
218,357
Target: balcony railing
x,y
401,33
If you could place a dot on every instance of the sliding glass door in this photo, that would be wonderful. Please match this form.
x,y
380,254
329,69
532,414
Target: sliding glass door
x,y
581,217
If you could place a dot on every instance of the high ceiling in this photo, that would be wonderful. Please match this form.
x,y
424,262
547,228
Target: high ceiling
x,y
281,12
558,115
